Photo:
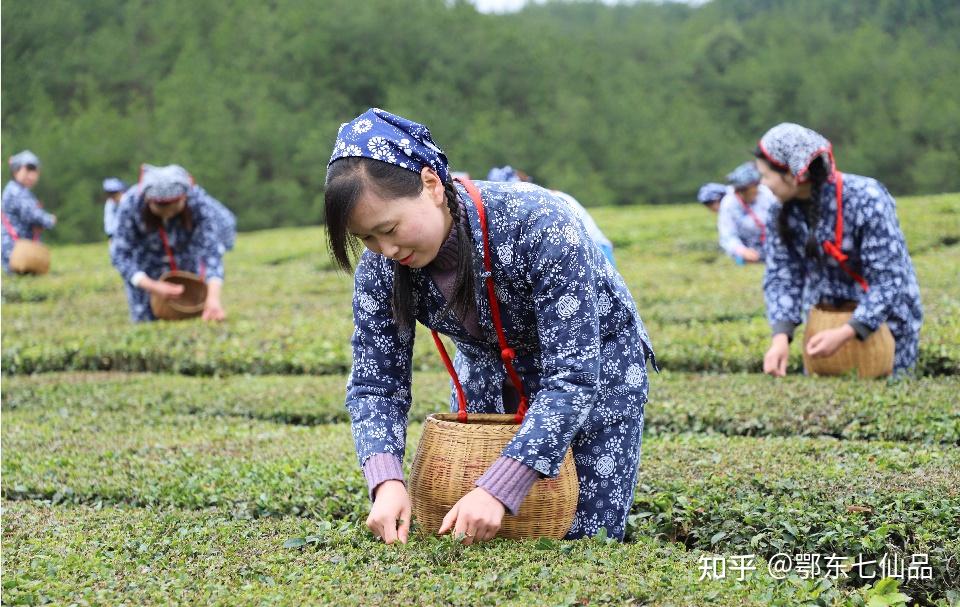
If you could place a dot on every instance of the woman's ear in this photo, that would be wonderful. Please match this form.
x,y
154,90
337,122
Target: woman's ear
x,y
433,185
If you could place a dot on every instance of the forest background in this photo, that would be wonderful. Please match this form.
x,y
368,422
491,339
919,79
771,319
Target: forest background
x,y
617,105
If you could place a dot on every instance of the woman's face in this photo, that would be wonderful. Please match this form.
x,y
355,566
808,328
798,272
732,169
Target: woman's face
x,y
27,176
168,209
748,194
409,230
783,185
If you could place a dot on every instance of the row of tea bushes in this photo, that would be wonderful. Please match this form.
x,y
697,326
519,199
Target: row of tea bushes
x,y
921,409
736,495
115,555
290,312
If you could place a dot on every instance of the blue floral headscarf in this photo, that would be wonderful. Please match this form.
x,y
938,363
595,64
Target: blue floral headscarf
x,y
383,136
164,184
507,173
793,147
744,176
23,158
711,192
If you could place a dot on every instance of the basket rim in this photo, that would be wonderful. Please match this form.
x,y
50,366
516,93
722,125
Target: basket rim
x,y
177,305
26,243
847,307
180,274
473,419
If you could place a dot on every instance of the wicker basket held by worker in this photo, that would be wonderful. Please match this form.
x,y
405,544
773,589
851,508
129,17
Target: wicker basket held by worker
x,y
29,257
452,455
456,448
872,357
188,304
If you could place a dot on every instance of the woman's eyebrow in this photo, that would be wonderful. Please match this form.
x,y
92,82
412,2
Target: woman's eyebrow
x,y
375,228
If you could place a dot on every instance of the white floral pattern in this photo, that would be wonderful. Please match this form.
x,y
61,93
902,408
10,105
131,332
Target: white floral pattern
x,y
135,249
794,146
794,283
380,135
23,211
737,227
572,368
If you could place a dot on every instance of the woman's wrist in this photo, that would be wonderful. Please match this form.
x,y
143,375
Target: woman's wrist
x,y
780,339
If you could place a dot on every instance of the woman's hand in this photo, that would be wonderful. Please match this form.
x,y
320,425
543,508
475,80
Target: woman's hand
x,y
165,290
390,514
212,308
477,517
748,254
826,343
775,360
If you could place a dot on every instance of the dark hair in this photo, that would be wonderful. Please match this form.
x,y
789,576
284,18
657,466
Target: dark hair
x,y
154,222
810,209
347,179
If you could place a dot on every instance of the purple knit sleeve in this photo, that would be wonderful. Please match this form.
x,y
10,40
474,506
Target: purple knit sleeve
x,y
509,481
381,467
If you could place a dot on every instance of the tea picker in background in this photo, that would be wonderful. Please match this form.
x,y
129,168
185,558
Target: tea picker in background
x,y
167,223
743,214
580,347
22,215
511,175
710,195
114,189
835,243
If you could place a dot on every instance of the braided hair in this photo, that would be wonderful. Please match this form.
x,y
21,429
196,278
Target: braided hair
x,y
347,178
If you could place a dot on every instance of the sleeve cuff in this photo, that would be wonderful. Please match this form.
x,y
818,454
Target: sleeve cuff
x,y
862,330
137,277
381,467
784,326
509,481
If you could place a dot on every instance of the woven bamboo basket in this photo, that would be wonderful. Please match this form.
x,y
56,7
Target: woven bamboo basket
x,y
452,455
188,304
872,357
29,257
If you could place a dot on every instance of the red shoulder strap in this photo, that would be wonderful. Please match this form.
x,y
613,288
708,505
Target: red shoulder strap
x,y
833,248
756,219
9,227
507,354
166,247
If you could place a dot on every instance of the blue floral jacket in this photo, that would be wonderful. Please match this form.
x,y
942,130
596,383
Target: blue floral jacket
x,y
135,249
565,309
877,251
22,210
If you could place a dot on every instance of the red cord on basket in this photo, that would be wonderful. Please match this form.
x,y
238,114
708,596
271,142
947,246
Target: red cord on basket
x,y
507,354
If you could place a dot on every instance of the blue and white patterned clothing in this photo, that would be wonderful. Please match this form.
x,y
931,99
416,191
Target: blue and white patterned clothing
x,y
593,230
737,227
581,349
22,210
136,249
711,192
111,209
877,251
386,137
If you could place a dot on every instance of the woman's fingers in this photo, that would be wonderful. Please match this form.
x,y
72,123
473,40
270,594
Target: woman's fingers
x,y
815,345
403,531
450,519
389,531
374,526
488,533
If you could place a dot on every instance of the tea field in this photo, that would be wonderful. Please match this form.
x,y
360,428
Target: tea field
x,y
186,463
